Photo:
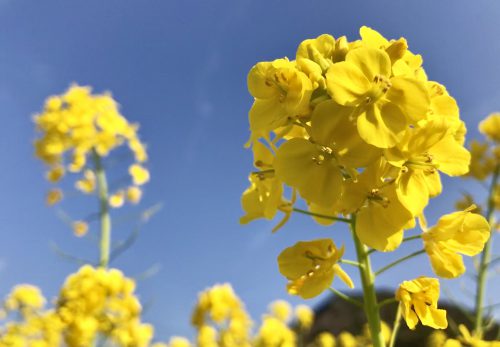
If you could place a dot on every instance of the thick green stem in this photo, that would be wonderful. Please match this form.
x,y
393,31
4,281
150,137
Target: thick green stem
x,y
369,295
485,259
102,190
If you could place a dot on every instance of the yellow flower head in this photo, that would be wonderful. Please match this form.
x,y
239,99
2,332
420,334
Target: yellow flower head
x,y
54,196
24,297
177,341
55,174
80,228
325,339
458,232
117,199
305,316
134,194
281,310
419,299
273,333
139,174
310,267
79,124
220,305
87,183
281,92
491,127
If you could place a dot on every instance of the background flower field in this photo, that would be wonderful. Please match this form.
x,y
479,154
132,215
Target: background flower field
x,y
179,69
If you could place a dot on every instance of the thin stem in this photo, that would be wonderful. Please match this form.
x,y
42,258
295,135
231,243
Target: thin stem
x,y
485,259
387,302
350,262
369,295
338,219
410,238
400,260
346,297
395,328
102,186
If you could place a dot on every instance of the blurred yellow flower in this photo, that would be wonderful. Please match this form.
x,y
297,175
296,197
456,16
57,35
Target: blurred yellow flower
x,y
305,317
80,228
134,194
87,183
281,310
117,199
54,196
491,127
139,174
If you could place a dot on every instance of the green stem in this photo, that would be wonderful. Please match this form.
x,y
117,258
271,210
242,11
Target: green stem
x,y
485,259
387,302
369,295
350,262
400,260
410,238
395,328
338,219
346,297
102,187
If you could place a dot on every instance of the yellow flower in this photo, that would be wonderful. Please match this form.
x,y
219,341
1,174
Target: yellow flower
x,y
24,296
425,151
54,196
274,333
80,228
281,310
139,174
310,267
281,93
482,162
347,340
324,339
380,215
177,341
87,183
316,166
117,199
491,127
55,174
418,299
385,104
134,194
323,51
305,316
458,232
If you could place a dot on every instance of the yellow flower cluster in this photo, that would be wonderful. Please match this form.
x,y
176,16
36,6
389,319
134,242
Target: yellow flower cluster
x,y
220,318
93,304
79,123
96,302
358,130
78,126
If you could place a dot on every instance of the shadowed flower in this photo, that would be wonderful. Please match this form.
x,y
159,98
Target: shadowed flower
x,y
419,299
310,267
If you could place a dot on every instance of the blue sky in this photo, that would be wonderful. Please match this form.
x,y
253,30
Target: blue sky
x,y
179,69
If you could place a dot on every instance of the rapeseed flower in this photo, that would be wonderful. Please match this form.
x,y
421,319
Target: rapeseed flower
x,y
456,233
418,299
310,267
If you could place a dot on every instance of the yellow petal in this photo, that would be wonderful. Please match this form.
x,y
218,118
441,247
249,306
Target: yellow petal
x,y
347,84
382,126
371,61
411,96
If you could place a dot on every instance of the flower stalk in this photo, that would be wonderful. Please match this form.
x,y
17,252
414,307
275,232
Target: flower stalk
x,y
485,260
104,217
368,283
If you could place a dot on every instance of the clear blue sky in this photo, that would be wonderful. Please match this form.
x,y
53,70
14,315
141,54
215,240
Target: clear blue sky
x,y
179,69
